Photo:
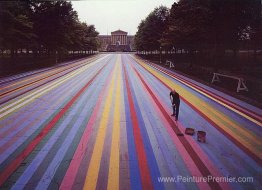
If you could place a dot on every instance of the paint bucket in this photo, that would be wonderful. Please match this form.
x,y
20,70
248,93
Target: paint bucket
x,y
201,136
190,131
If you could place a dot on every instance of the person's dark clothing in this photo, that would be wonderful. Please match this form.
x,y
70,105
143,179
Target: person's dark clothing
x,y
175,97
175,103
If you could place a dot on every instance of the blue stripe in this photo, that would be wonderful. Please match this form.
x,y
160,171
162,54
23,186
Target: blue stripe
x,y
153,167
135,178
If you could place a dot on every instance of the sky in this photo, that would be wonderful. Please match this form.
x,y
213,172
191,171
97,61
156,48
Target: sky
x,y
111,15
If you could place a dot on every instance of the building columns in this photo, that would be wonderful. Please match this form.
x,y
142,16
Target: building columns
x,y
122,38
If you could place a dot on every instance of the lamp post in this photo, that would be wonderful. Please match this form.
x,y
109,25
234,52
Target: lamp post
x,y
160,53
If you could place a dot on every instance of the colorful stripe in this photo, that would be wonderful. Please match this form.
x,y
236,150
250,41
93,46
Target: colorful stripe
x,y
142,160
113,175
104,123
245,112
244,138
94,166
18,160
199,163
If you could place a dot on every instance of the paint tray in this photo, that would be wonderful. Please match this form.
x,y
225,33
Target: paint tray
x,y
201,136
190,131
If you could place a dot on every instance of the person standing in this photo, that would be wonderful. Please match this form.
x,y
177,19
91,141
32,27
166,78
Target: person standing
x,y
175,100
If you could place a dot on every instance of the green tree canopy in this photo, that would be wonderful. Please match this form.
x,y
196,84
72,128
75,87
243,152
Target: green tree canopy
x,y
150,30
49,26
16,27
188,24
198,24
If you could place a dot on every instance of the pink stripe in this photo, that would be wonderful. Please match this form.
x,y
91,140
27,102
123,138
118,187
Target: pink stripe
x,y
21,132
72,170
240,145
14,139
228,102
11,167
186,157
212,168
181,149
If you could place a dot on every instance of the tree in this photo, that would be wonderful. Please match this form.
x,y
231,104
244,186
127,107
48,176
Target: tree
x,y
139,41
150,30
214,25
16,29
59,30
53,23
46,27
91,40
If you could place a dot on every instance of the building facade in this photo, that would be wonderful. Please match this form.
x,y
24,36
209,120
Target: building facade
x,y
119,37
118,41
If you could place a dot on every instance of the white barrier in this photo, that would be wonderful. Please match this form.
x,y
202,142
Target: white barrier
x,y
240,86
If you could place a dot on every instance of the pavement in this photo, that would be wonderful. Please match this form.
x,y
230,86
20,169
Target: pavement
x,y
105,123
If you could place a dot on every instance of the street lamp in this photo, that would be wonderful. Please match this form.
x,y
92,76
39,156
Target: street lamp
x,y
160,54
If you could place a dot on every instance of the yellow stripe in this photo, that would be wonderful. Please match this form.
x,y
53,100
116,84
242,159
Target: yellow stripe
x,y
214,99
222,121
223,104
113,175
221,118
251,141
30,79
31,96
242,134
45,74
94,165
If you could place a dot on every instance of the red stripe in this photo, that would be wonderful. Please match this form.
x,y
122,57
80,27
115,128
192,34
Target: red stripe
x,y
45,70
46,82
230,137
224,132
9,169
45,77
201,166
142,160
249,113
69,178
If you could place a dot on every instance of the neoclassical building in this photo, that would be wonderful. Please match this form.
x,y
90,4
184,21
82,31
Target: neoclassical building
x,y
119,38
118,41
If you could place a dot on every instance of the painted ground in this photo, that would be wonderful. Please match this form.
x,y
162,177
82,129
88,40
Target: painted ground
x,y
104,123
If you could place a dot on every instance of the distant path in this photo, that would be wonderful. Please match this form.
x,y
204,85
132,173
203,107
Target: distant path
x,y
104,123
